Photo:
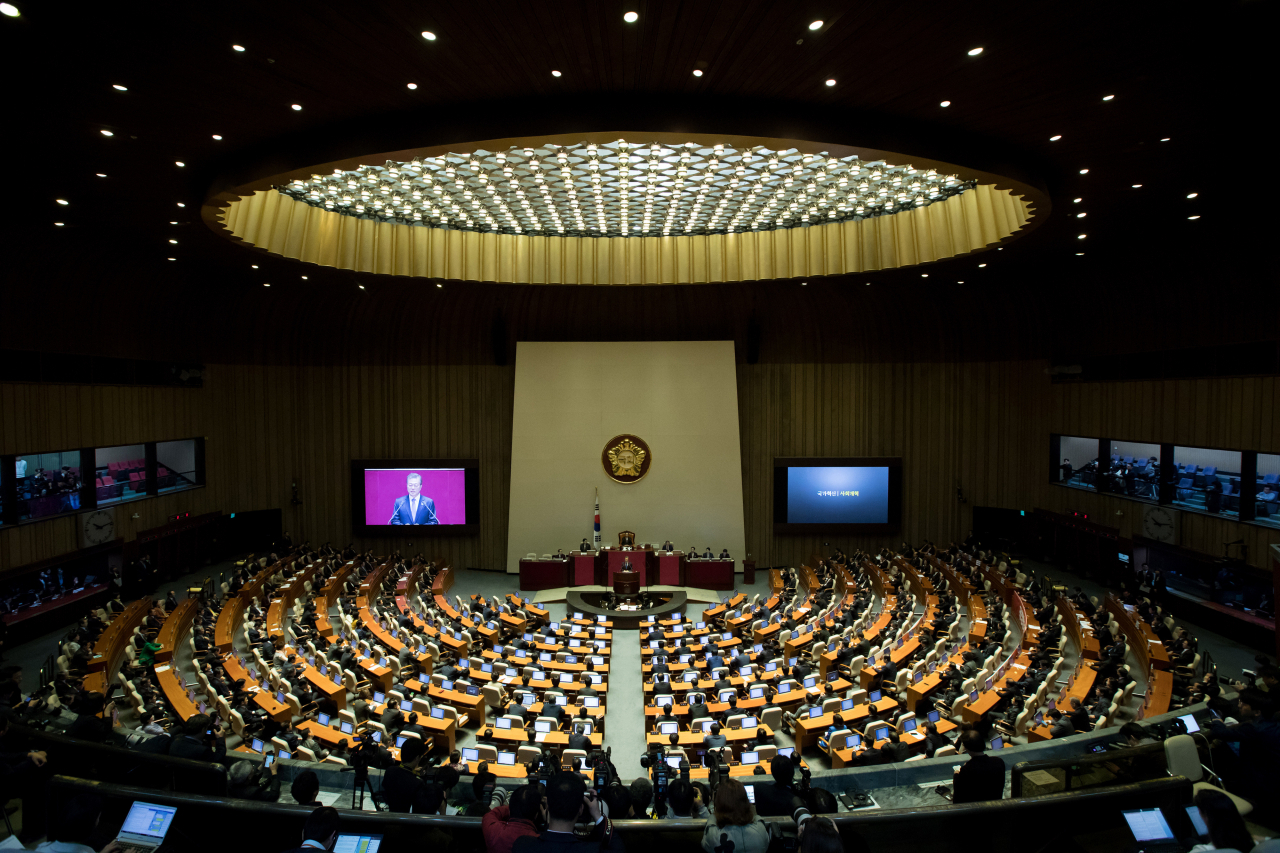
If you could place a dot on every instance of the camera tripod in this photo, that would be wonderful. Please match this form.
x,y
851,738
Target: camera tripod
x,y
359,788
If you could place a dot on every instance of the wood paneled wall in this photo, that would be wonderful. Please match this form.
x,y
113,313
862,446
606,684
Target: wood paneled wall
x,y
981,427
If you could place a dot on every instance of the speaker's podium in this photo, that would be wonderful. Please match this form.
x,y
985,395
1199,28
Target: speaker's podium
x,y
626,582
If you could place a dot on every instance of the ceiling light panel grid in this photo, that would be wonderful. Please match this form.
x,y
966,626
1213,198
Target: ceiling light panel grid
x,y
621,189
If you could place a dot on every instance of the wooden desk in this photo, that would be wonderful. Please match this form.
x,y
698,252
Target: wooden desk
x,y
175,692
1159,695
709,574
335,692
176,626
262,698
109,650
544,574
471,706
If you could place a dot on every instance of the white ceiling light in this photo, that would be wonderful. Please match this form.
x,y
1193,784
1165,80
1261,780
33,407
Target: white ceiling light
x,y
1166,139
945,104
831,82
980,266
1055,138
816,25
1192,195
361,286
218,137
62,201
59,224
631,17
179,163
555,74
170,259
438,284
697,72
9,10
975,51
174,242
428,35
412,85
237,48
1077,200
1197,216
1082,236
1137,186
1081,215
118,87
297,107
1084,171
180,204
264,284
304,278
100,174
106,133
1108,97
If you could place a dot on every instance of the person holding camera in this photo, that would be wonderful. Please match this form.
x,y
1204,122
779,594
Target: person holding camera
x,y
201,740
405,792
569,801
245,782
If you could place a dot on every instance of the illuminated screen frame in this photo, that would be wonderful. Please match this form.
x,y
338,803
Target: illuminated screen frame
x,y
782,463
471,469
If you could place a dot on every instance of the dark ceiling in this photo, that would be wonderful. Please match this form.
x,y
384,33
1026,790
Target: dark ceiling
x,y
1195,79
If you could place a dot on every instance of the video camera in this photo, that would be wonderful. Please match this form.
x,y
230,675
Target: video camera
x,y
601,764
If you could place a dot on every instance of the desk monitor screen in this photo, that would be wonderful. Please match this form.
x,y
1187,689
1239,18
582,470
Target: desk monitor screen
x,y
555,626
377,736
668,728
423,496
324,670
566,678
486,667
725,694
874,696
437,713
831,647
601,619
542,726
750,722
918,677
881,733
257,745
934,715
988,683
1148,825
685,658
446,685
853,741
758,648
757,692
784,688
841,495
473,690
570,658
600,632
323,720
745,672
846,705
909,724
973,697
792,661
544,656
379,697
997,743
577,615
147,824
471,753
503,723
1197,821
833,675
750,758
698,626
673,761
795,635
810,681
933,666
400,739
512,672
507,758
691,676
358,844
562,700
788,751
590,701
346,728
1190,721
771,666
814,713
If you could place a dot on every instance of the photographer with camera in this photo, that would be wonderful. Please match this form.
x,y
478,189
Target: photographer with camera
x,y
245,781
202,740
403,789
484,786
525,814
568,801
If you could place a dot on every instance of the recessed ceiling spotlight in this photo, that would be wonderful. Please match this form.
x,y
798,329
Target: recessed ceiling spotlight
x,y
959,282
924,275
1137,186
631,17
412,85
975,51
172,222
1166,139
1197,216
106,133
1077,200
1081,215
59,224
297,107
804,283
1081,236
118,87
179,163
304,278
831,82
555,74
438,284
1192,195
170,259
62,201
237,48
264,284
253,266
180,204
1108,97
1079,254
945,104
174,242
1084,171
361,286
9,10
428,35
1055,138
217,137
100,174
697,72
816,25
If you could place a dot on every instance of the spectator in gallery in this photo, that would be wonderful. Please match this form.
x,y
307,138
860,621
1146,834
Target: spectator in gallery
x,y
1268,495
1213,496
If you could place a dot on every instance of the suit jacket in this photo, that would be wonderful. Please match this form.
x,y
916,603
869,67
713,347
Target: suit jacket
x,y
980,778
401,514
896,751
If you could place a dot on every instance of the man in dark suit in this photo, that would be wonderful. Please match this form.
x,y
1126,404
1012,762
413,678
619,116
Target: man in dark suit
x,y
980,778
707,555
579,741
698,710
715,740
1061,726
724,553
933,741
585,546
320,829
779,799
667,546
194,742
895,749
414,507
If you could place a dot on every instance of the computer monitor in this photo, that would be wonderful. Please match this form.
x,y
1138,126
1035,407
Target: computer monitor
x,y
566,678
437,713
668,728
917,677
757,648
601,631
810,681
379,697
577,614
832,675
771,666
853,740
727,635
400,739
846,705
757,692
784,688
377,736
470,753
539,675
875,696
346,728
486,667
503,723
933,666
698,626
814,713
988,684
146,825
602,619
750,722
831,647
562,700
750,758
881,733
507,758
323,720
973,697
934,715
446,685
725,694
555,626
570,658
512,672
788,751
909,724
795,635
597,660
258,745
1148,825
544,656
542,726
590,701
997,743
792,661
324,670
673,761
1189,721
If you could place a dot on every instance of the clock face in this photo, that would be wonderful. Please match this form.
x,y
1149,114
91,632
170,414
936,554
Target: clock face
x,y
1158,523
98,527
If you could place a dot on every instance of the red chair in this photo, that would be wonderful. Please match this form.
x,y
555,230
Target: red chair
x,y
113,467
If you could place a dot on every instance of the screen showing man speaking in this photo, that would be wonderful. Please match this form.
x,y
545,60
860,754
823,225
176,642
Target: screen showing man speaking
x,y
837,495
414,496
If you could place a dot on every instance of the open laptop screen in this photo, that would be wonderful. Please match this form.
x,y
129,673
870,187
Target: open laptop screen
x,y
148,821
358,844
1148,825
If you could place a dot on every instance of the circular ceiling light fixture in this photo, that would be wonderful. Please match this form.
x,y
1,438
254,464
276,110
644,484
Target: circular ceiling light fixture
x,y
555,74
697,72
1108,97
412,85
217,137
237,48
9,10
975,51
62,201
679,186
1055,138
631,17
297,107
831,82
816,25
119,88
428,35
945,104
106,133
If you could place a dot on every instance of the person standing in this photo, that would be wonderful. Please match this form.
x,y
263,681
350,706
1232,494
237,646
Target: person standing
x,y
980,778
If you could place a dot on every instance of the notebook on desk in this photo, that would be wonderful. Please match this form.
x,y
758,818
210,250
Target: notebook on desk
x,y
145,827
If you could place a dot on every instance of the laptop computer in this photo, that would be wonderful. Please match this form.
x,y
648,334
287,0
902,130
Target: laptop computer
x,y
145,826
1151,831
358,844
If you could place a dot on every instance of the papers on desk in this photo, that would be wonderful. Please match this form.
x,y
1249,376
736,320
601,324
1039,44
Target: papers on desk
x,y
540,737
161,669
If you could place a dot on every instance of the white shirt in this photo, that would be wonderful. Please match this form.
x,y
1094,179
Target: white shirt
x,y
413,507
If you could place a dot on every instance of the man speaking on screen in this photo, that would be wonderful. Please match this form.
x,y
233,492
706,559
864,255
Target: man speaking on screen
x,y
415,507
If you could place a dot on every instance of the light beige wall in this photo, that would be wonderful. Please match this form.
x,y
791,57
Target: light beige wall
x,y
681,397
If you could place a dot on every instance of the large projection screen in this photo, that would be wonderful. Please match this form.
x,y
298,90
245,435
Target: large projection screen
x,y
681,397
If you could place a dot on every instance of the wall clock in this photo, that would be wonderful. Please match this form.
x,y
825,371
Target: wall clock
x,y
1160,523
97,527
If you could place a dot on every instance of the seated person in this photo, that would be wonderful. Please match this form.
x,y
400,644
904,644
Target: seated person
x,y
824,739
